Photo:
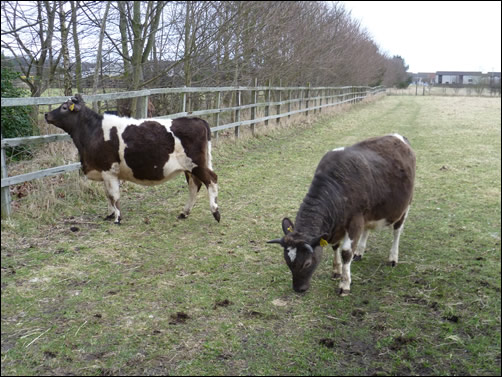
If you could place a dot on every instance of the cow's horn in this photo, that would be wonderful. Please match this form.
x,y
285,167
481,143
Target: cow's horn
x,y
278,240
309,248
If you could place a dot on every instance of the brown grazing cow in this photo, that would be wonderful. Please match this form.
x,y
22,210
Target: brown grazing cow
x,y
355,189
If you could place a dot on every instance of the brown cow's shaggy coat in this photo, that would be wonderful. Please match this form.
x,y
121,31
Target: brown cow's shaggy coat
x,y
355,189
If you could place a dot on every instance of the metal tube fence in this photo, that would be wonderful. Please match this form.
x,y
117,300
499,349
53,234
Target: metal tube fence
x,y
330,96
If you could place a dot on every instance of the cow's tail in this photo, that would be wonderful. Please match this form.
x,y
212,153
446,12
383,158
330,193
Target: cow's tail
x,y
208,130
209,155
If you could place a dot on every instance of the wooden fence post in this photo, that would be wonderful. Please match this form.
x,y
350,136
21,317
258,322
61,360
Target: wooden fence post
x,y
142,107
278,108
237,113
254,94
308,101
289,103
184,101
316,94
6,211
217,115
267,100
323,93
300,104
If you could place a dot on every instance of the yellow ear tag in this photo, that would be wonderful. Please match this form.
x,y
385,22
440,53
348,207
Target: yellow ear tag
x,y
290,229
323,242
72,106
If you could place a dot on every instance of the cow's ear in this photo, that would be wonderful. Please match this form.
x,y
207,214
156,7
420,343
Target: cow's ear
x,y
287,225
75,107
77,102
320,241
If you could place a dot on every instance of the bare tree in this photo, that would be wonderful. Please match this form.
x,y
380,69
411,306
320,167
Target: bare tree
x,y
193,43
30,40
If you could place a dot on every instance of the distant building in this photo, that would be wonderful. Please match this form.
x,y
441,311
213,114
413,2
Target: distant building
x,y
458,77
423,77
494,78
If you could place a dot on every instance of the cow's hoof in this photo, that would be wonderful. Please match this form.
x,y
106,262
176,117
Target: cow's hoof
x,y
217,215
117,222
357,258
336,276
182,216
344,292
392,263
109,217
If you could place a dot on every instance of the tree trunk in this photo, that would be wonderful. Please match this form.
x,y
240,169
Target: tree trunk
x,y
123,40
99,53
67,87
78,59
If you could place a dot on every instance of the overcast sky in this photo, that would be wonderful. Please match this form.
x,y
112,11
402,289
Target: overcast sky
x,y
435,35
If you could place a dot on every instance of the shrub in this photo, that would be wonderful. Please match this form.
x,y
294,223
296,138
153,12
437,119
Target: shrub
x,y
16,121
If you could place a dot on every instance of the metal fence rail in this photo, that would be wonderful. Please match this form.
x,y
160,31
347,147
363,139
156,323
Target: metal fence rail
x,y
329,96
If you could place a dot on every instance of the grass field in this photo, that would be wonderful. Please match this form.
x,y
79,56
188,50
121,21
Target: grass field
x,y
158,295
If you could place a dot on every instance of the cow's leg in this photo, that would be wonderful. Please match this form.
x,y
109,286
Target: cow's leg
x,y
337,262
112,189
361,245
349,244
398,228
193,188
210,179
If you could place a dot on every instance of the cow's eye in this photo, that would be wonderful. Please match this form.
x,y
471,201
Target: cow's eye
x,y
64,107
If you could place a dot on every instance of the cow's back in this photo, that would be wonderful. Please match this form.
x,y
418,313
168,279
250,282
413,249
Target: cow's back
x,y
376,175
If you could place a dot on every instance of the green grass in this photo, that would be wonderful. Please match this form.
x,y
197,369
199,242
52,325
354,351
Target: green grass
x,y
157,295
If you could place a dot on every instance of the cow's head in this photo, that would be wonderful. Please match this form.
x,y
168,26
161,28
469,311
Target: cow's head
x,y
66,116
302,255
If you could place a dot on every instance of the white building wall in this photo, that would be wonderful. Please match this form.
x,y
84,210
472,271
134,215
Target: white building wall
x,y
450,79
471,79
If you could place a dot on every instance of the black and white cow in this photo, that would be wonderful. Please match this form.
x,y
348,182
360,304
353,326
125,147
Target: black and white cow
x,y
355,189
144,151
